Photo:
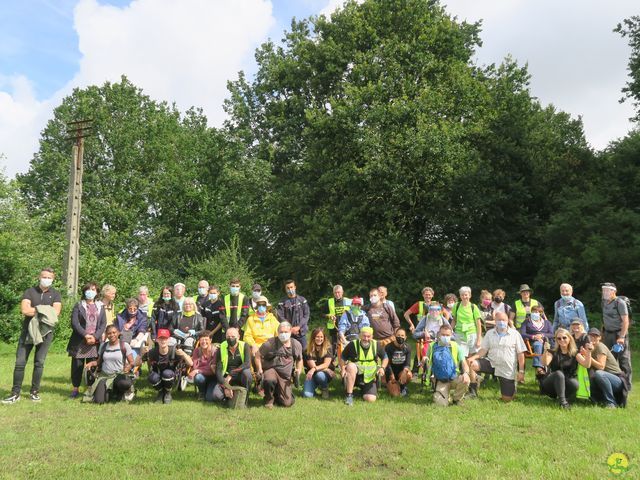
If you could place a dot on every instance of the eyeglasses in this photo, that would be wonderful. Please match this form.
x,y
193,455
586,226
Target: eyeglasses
x,y
562,338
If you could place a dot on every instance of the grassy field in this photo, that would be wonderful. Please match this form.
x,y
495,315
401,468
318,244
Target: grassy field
x,y
393,438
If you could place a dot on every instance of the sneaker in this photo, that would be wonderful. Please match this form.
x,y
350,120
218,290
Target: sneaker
x,y
325,394
404,391
34,397
160,397
610,405
565,405
128,396
74,394
167,398
13,398
268,406
349,400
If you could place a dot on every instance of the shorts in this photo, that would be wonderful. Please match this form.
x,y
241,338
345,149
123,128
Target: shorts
x,y
370,388
507,386
467,346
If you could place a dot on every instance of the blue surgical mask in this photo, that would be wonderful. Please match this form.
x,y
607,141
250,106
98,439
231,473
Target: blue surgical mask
x,y
535,316
566,298
291,292
213,297
234,291
202,291
262,309
501,328
166,299
444,340
90,294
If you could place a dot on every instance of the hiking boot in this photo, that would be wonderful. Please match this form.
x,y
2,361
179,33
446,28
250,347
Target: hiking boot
x,y
404,391
160,397
167,397
34,396
473,391
128,396
325,394
349,400
565,405
13,398
268,405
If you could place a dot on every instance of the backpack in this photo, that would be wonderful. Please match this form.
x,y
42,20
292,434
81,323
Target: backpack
x,y
103,348
627,302
443,366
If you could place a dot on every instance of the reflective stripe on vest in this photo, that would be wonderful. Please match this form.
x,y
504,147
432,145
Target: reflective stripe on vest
x,y
227,305
521,313
366,363
335,311
224,354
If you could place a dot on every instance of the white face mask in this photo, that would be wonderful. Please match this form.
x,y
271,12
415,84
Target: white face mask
x,y
450,305
374,299
202,291
284,336
46,282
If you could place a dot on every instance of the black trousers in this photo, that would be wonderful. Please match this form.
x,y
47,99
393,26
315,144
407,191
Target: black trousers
x,y
120,385
558,385
77,367
22,357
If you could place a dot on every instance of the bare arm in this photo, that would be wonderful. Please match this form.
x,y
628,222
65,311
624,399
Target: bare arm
x,y
26,309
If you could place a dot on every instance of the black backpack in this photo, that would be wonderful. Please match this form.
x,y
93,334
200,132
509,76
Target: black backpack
x,y
627,302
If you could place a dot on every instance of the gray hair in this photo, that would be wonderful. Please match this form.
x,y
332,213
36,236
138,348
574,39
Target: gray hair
x,y
336,287
284,324
464,290
143,289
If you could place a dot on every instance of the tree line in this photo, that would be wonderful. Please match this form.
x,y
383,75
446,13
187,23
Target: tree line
x,y
369,148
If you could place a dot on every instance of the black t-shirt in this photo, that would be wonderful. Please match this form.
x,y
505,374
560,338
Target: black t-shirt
x,y
567,364
318,359
160,362
38,297
399,357
211,314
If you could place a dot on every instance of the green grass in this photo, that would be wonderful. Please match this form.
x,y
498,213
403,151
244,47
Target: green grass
x,y
393,438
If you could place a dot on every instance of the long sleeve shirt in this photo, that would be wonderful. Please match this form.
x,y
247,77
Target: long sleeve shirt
x,y
564,311
295,311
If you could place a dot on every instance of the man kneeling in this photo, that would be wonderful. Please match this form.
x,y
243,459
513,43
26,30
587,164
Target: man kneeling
x,y
275,363
359,365
233,367
445,362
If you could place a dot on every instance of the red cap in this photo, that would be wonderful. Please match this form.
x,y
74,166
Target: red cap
x,y
356,301
164,333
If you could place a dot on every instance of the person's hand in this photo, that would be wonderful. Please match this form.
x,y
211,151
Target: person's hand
x,y
228,392
620,341
144,350
310,373
127,368
412,328
295,331
466,379
381,372
520,377
427,336
90,365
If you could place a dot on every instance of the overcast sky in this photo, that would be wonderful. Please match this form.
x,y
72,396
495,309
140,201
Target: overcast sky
x,y
185,51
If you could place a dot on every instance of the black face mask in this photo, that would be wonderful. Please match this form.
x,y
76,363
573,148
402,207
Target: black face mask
x,y
400,340
497,299
232,342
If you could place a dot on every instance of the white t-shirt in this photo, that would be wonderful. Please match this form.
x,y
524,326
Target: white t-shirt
x,y
503,351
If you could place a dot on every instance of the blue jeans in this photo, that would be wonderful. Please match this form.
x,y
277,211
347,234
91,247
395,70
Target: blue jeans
x,y
319,379
608,384
538,347
202,382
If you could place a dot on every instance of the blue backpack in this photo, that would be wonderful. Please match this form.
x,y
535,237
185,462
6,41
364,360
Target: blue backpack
x,y
443,366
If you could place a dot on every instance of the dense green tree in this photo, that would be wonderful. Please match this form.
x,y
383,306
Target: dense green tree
x,y
630,29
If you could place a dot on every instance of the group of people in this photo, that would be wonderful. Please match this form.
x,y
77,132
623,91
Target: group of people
x,y
228,345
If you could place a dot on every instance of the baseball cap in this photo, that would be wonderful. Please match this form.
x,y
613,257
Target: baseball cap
x,y
164,333
356,301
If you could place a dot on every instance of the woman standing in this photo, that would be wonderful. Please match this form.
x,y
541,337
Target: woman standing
x,y
88,321
108,296
164,311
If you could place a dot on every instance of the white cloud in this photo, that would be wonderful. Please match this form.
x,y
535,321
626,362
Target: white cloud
x,y
575,59
182,51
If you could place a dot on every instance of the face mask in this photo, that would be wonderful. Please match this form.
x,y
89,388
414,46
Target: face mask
x,y
89,294
355,311
202,291
232,341
374,299
256,294
501,326
535,317
291,292
400,340
262,309
444,340
497,299
450,305
486,303
284,336
213,296
566,298
166,299
46,282
365,344
234,291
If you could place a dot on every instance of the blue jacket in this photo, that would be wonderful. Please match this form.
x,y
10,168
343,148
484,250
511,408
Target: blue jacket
x,y
139,326
566,311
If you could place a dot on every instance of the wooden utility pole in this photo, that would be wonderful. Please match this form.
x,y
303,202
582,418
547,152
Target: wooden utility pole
x,y
77,131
